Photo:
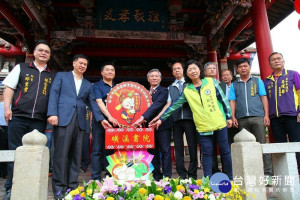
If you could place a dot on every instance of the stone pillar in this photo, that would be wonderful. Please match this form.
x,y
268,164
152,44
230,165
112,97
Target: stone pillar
x,y
247,164
285,169
30,180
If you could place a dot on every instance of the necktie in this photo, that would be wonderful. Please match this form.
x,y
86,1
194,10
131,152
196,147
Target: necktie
x,y
151,91
180,86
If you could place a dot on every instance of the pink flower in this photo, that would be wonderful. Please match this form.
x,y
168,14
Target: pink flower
x,y
108,186
201,194
161,183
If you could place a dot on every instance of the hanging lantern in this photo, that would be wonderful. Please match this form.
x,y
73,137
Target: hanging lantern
x,y
175,6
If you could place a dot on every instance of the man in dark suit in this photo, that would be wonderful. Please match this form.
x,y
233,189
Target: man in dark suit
x,y
163,133
69,95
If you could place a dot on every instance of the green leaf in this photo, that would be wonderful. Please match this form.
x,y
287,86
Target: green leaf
x,y
173,185
88,198
153,186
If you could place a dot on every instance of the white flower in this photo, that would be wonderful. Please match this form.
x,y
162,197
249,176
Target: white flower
x,y
186,181
69,197
178,195
97,196
148,183
211,197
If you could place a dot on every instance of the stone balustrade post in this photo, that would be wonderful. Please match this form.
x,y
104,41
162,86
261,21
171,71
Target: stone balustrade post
x,y
247,164
285,168
31,167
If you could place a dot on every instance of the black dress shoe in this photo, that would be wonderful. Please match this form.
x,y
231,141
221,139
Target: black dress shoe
x,y
8,194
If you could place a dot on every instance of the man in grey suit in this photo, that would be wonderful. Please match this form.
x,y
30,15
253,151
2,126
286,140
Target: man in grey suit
x,y
69,95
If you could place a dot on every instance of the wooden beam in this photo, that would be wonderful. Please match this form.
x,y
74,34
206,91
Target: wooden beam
x,y
7,13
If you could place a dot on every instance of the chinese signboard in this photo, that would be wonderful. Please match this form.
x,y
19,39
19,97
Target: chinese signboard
x,y
133,15
129,138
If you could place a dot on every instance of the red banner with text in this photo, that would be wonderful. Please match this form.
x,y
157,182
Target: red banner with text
x,y
129,138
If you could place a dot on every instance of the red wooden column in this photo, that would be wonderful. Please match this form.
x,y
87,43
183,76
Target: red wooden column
x,y
212,57
211,53
262,36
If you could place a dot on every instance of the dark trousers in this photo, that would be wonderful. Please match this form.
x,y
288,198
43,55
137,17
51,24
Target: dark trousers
x,y
179,128
67,155
17,128
215,163
231,133
49,135
207,145
255,125
286,125
85,158
98,159
3,146
163,147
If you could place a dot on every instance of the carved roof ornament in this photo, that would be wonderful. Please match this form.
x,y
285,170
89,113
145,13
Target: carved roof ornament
x,y
16,4
243,3
86,21
87,3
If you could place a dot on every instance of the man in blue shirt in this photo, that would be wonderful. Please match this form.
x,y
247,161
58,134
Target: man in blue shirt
x,y
101,90
249,106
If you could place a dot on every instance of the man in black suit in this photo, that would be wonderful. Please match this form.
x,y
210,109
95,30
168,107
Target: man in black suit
x,y
163,133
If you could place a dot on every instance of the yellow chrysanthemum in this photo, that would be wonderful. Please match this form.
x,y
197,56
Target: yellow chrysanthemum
x,y
199,182
167,198
110,198
159,189
180,188
187,198
196,191
89,191
206,190
205,196
74,192
158,197
80,188
83,194
143,191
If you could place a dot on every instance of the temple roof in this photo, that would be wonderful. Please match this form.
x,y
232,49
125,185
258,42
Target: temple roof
x,y
149,33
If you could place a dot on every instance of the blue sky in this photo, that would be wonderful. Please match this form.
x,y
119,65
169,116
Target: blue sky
x,y
285,39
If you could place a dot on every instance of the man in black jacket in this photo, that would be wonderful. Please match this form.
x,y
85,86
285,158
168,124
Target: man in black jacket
x,y
27,91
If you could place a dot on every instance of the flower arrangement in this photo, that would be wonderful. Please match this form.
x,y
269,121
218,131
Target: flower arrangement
x,y
165,189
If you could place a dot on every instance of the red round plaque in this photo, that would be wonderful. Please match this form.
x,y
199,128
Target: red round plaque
x,y
127,101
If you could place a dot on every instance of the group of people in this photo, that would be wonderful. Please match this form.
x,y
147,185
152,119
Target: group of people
x,y
195,105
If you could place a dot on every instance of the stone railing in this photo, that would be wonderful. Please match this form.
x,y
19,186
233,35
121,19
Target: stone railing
x,y
31,166
248,166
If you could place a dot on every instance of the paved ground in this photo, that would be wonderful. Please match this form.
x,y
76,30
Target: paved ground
x,y
86,176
